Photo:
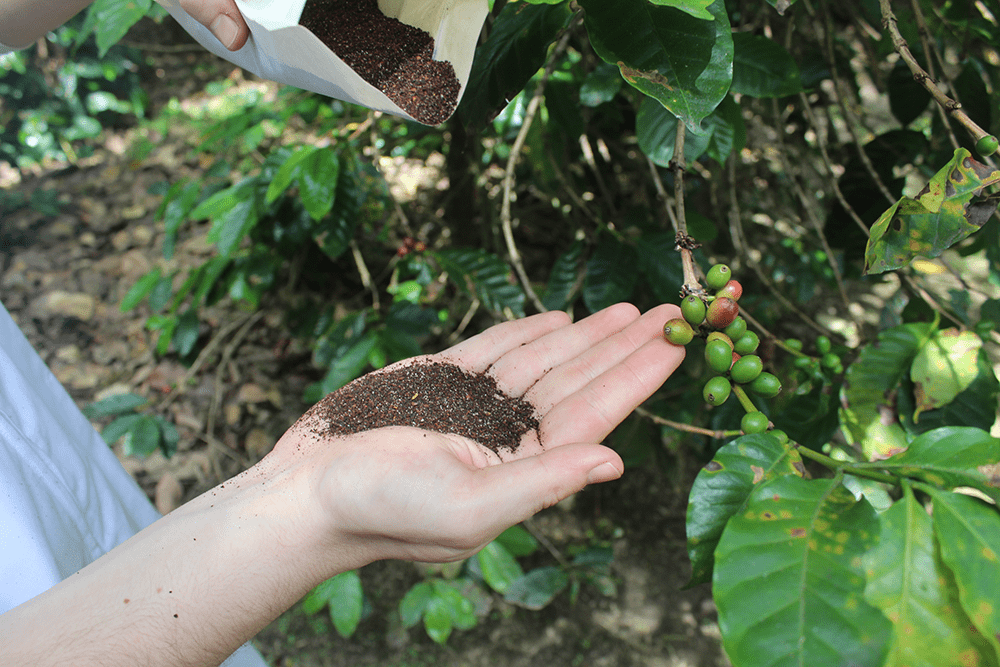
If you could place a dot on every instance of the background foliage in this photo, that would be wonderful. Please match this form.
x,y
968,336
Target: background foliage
x,y
814,162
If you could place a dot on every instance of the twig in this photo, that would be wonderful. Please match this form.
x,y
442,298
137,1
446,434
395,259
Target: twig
x,y
929,51
508,179
588,157
953,108
366,276
688,428
685,244
225,357
473,307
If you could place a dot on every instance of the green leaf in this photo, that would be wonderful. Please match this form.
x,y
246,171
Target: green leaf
x,y
728,132
169,437
944,213
344,368
317,178
721,490
811,419
460,608
684,62
696,8
437,619
346,601
612,273
944,367
414,603
976,405
968,533
186,332
142,438
913,588
139,290
486,276
114,431
229,229
661,263
334,233
114,405
114,18
564,278
949,457
512,53
518,541
600,85
788,580
867,413
536,589
763,68
499,566
656,131
287,173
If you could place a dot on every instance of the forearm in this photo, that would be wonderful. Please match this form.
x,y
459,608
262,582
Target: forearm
x,y
189,589
24,21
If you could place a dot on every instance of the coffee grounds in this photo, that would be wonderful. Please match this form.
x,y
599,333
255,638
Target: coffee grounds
x,y
394,57
434,395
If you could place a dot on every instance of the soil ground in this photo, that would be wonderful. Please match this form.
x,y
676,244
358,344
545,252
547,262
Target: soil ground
x,y
63,275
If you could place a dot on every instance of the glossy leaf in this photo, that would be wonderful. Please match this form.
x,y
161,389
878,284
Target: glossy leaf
x,y
867,414
486,276
976,405
763,68
564,278
949,457
914,589
414,603
318,182
944,367
788,580
499,567
113,18
114,405
944,213
142,438
518,541
696,8
114,431
685,63
968,532
343,596
139,290
513,52
612,273
536,589
721,490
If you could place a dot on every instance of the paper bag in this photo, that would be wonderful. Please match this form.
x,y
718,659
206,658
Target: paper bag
x,y
409,58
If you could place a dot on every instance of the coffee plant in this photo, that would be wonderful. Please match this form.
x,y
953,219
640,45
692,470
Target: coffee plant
x,y
835,161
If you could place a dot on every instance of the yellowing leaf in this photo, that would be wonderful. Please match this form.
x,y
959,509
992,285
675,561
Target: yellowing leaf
x,y
945,212
945,366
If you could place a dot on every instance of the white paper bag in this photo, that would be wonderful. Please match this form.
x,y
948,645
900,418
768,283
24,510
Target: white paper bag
x,y
282,50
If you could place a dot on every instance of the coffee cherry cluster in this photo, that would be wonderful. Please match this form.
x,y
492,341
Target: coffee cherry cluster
x,y
729,347
821,369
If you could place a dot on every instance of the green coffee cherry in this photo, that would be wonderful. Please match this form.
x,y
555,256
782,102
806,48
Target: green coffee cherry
x,y
803,362
736,328
747,343
754,422
830,360
719,335
718,276
987,145
766,385
693,309
746,369
718,355
823,344
794,344
678,331
717,390
780,435
722,312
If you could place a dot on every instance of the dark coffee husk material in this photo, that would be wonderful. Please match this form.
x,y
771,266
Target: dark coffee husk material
x,y
391,56
434,395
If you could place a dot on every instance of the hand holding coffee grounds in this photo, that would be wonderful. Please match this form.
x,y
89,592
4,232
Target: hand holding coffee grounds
x,y
390,55
433,395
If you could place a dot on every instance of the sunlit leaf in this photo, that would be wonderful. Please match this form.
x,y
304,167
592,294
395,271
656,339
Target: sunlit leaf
x,y
868,413
945,212
913,588
499,566
944,367
696,8
788,579
968,533
722,488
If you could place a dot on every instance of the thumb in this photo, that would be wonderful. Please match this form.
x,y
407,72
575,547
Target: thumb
x,y
222,18
518,489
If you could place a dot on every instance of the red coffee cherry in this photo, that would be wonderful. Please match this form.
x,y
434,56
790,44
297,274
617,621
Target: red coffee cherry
x,y
733,289
722,312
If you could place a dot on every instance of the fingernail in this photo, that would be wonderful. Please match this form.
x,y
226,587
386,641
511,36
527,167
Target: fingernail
x,y
603,473
225,30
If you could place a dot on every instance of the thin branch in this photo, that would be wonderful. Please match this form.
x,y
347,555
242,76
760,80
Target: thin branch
x,y
687,428
508,179
366,276
931,52
953,108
